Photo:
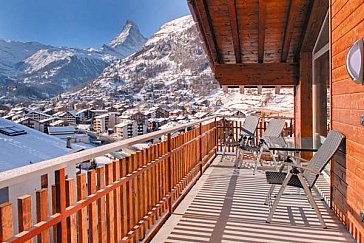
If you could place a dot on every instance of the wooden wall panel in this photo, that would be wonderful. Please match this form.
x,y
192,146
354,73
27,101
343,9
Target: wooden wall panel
x,y
347,26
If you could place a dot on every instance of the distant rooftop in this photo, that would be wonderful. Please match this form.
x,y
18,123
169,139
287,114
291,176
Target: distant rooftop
x,y
32,147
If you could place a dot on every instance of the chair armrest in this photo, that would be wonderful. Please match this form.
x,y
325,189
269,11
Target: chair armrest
x,y
299,158
303,168
246,132
293,149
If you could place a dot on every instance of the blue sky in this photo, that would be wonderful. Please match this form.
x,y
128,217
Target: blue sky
x,y
83,23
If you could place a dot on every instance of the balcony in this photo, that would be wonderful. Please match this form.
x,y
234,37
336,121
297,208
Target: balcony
x,y
175,190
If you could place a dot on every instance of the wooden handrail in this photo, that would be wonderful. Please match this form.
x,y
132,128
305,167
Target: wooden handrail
x,y
137,186
27,172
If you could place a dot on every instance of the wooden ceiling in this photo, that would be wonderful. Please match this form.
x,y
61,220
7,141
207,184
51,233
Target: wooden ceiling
x,y
253,42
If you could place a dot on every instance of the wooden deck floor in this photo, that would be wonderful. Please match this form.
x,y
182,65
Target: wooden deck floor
x,y
226,205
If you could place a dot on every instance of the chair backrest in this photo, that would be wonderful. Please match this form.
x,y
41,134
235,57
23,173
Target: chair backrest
x,y
274,128
323,155
250,125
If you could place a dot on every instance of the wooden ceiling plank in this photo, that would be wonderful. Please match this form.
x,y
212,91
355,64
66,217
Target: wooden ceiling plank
x,y
292,15
257,74
235,29
204,19
261,31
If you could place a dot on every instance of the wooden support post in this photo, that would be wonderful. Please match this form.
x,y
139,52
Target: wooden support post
x,y
42,213
92,210
303,100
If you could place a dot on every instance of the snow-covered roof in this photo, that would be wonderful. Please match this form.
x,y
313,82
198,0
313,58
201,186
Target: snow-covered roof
x,y
32,147
61,130
124,123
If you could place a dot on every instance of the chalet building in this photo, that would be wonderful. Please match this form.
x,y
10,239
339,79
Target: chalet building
x,y
103,123
85,115
126,129
45,123
37,115
95,113
68,116
140,117
68,132
31,123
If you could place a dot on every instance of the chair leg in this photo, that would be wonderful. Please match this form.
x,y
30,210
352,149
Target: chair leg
x,y
312,200
276,201
258,160
223,152
274,160
236,159
269,195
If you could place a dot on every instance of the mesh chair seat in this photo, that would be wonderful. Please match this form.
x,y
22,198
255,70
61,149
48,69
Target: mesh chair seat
x,y
277,178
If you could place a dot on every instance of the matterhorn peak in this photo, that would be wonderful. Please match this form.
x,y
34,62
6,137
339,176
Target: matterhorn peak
x,y
131,31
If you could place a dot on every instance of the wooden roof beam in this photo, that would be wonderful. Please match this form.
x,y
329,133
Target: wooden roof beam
x,y
261,31
315,17
202,16
235,29
272,74
292,15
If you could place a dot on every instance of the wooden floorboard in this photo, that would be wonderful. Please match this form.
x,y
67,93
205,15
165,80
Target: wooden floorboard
x,y
226,205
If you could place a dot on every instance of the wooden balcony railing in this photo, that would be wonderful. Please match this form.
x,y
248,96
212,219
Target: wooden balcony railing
x,y
126,200
231,125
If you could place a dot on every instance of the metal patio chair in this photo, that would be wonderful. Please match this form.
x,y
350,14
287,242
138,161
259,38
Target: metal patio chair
x,y
272,137
246,135
303,176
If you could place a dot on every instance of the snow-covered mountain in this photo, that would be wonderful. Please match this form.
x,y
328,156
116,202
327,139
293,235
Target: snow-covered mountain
x,y
49,70
129,41
172,64
171,58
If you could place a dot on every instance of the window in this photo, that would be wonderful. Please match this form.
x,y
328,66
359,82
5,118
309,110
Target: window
x,y
4,195
12,131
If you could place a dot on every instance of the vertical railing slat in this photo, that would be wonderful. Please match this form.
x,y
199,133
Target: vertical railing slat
x,y
25,220
110,222
60,181
101,204
42,213
117,205
92,209
54,211
70,200
6,221
82,214
124,209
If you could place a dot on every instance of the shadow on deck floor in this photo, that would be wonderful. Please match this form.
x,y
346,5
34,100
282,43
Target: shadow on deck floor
x,y
226,205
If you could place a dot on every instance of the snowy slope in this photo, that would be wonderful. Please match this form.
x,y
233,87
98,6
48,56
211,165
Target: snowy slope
x,y
173,59
51,70
12,52
172,56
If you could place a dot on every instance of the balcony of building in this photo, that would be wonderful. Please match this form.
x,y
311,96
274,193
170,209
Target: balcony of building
x,y
178,189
